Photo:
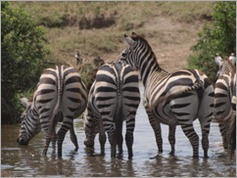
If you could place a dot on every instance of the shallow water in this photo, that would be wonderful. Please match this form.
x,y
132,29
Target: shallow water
x,y
28,161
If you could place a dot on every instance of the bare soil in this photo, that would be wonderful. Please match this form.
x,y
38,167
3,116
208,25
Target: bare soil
x,y
170,40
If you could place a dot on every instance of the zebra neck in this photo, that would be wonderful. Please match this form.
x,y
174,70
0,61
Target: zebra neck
x,y
148,67
228,69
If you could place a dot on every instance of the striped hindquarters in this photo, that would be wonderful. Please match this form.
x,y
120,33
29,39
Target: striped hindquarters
x,y
113,98
116,88
59,90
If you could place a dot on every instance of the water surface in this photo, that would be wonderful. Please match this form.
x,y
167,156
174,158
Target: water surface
x,y
28,161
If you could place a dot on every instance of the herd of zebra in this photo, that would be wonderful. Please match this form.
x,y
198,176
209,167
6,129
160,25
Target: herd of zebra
x,y
173,99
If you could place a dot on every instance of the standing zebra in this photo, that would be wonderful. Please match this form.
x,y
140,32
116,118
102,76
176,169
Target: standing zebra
x,y
172,98
224,93
60,96
113,98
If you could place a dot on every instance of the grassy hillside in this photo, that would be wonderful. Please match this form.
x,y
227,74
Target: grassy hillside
x,y
97,28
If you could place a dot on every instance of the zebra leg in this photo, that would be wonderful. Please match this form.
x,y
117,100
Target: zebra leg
x,y
102,139
112,142
120,144
54,140
47,142
222,128
192,136
205,142
112,138
157,130
130,124
205,127
61,135
172,129
73,138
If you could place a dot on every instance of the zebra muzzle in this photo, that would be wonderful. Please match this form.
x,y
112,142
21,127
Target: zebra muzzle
x,y
22,142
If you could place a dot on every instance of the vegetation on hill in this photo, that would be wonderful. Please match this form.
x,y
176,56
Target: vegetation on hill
x,y
216,37
97,28
58,29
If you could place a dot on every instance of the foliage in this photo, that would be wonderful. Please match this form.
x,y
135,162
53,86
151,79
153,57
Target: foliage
x,y
218,37
23,58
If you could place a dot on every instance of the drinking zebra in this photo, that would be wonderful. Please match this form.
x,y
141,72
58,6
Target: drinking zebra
x,y
225,87
60,96
113,98
172,98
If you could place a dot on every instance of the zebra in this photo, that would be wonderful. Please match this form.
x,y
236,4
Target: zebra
x,y
224,92
176,98
60,96
114,97
79,58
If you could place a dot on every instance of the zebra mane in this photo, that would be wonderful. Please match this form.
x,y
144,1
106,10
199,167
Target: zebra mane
x,y
136,37
141,39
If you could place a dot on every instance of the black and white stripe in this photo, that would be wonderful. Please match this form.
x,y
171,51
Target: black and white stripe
x,y
172,98
225,97
113,98
60,96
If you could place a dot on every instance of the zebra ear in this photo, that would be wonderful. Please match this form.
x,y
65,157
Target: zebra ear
x,y
129,40
218,60
24,101
134,35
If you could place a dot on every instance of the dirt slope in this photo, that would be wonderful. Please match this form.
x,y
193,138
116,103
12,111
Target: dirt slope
x,y
170,40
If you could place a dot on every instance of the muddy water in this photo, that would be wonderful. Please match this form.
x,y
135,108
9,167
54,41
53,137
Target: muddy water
x,y
28,161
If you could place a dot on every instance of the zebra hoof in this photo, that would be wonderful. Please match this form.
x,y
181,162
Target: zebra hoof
x,y
206,156
120,156
155,157
130,157
195,156
172,153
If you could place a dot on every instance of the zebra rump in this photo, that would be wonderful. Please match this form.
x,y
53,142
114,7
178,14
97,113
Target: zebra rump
x,y
113,98
60,95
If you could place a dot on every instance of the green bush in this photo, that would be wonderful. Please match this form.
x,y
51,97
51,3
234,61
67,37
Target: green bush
x,y
216,37
23,58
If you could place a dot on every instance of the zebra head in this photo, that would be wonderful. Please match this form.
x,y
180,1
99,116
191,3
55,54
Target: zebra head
x,y
130,55
139,51
232,58
30,126
224,64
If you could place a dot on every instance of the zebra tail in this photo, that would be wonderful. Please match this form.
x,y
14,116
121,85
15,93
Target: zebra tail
x,y
118,120
57,114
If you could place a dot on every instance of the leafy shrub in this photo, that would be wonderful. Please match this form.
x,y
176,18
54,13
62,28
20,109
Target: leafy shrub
x,y
23,58
217,37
